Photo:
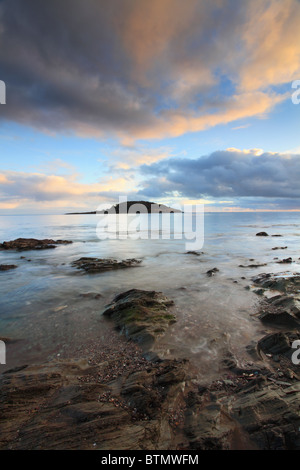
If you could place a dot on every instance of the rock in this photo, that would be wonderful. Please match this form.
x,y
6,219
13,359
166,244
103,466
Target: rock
x,y
212,272
141,315
282,318
7,267
281,310
289,283
285,261
269,416
275,343
259,291
252,265
262,234
276,235
137,207
22,244
280,248
54,406
99,265
91,295
196,253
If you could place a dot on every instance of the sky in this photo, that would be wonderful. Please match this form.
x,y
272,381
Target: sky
x,y
169,101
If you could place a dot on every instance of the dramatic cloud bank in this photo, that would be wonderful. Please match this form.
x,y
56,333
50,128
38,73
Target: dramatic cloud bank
x,y
232,174
245,179
140,69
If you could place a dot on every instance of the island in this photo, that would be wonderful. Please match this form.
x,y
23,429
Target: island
x,y
124,207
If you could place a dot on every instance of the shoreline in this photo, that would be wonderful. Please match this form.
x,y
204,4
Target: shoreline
x,y
116,392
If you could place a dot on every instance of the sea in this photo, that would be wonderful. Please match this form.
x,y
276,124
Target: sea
x,y
44,315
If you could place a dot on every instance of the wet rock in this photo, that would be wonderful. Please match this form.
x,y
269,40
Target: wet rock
x,y
23,244
259,291
141,315
62,405
262,234
270,417
281,310
252,265
289,283
90,295
279,248
212,272
285,261
99,265
7,267
196,253
275,343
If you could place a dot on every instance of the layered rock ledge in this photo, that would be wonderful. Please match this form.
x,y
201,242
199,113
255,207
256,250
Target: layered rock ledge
x,y
23,244
7,267
120,401
282,309
141,315
99,265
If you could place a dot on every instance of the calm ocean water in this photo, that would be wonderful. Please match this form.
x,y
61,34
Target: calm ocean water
x,y
42,312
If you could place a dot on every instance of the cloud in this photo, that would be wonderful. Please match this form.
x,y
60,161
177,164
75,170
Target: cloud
x,y
257,177
231,179
140,69
40,191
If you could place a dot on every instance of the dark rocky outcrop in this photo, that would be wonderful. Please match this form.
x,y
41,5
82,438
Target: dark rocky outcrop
x,y
285,261
262,234
62,405
212,272
125,207
252,265
145,207
278,343
283,283
23,244
99,265
281,310
7,267
141,315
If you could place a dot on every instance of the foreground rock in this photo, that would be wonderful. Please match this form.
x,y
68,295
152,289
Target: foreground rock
x,y
63,406
249,413
262,234
7,267
279,349
141,315
99,265
67,405
23,244
121,401
281,310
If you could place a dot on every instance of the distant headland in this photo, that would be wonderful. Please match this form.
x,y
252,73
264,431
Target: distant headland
x,y
124,208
